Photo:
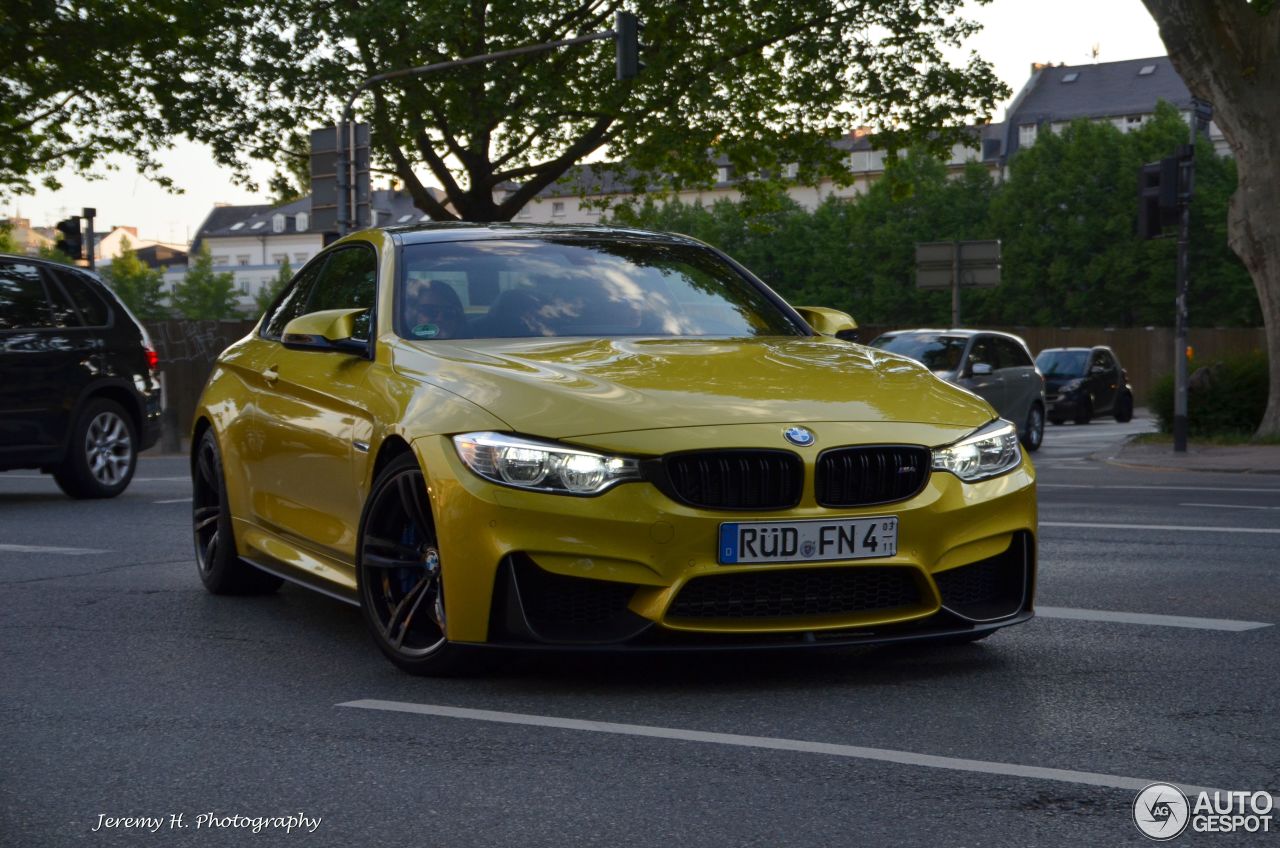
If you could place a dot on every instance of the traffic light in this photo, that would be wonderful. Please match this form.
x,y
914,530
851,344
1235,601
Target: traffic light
x,y
1159,195
626,32
70,242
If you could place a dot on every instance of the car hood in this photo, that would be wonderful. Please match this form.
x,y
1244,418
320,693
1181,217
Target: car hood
x,y
561,388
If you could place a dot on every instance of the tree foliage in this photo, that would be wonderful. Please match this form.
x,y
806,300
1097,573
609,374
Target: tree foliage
x,y
205,295
1226,52
763,83
1065,217
138,285
82,79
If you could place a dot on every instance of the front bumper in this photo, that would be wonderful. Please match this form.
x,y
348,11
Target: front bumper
x,y
633,569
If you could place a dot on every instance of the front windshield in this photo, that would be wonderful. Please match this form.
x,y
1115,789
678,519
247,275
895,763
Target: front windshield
x,y
1062,363
935,351
577,286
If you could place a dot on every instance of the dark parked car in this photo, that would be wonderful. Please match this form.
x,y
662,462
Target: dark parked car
x,y
79,394
995,366
1082,383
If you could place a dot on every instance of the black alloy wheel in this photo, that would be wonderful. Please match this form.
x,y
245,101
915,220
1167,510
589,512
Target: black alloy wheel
x,y
102,454
400,574
1124,408
220,567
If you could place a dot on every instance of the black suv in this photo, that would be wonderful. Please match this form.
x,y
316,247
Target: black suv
x,y
1082,383
79,394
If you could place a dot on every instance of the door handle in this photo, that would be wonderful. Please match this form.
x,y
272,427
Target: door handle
x,y
271,374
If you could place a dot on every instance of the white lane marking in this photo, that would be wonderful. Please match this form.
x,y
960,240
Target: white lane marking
x,y
1192,622
1273,491
1188,527
907,758
1228,506
46,549
174,500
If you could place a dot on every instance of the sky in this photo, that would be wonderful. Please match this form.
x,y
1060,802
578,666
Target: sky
x,y
1015,34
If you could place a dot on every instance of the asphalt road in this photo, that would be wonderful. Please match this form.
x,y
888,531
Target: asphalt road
x,y
127,691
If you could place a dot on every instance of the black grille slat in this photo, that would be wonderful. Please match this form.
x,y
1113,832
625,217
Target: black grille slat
x,y
790,593
735,479
990,588
870,474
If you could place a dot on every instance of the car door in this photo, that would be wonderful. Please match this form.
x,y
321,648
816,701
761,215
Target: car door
x,y
45,359
981,372
311,414
1022,385
1104,379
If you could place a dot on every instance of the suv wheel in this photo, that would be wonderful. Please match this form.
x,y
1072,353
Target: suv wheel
x,y
103,452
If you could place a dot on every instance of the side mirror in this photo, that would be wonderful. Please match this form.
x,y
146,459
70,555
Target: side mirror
x,y
827,322
981,369
330,329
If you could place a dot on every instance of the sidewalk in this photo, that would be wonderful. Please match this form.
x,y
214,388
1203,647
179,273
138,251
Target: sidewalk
x,y
1241,459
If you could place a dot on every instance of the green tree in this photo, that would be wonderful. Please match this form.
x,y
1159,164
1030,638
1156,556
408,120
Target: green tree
x,y
1225,51
139,286
767,84
83,79
264,298
203,294
8,244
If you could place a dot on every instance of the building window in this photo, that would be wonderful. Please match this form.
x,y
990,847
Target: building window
x,y
1026,135
1135,120
237,225
277,223
219,260
242,259
790,171
557,208
722,175
300,221
279,258
257,225
300,258
525,212
1146,70
244,287
1071,77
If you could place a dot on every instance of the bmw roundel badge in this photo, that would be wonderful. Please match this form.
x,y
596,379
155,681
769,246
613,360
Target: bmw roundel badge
x,y
799,436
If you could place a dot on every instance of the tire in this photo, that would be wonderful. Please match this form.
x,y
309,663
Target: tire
x,y
102,454
220,567
400,576
1084,412
1033,430
1124,408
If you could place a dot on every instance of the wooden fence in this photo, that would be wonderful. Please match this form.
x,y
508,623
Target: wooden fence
x,y
188,349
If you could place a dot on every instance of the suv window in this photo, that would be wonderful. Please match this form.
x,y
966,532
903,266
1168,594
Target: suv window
x,y
23,303
983,351
1012,354
1104,359
93,309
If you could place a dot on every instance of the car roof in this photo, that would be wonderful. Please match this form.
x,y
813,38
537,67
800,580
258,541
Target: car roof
x,y
961,332
439,231
1076,348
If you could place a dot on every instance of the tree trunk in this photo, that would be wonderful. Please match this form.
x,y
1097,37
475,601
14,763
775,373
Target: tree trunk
x,y
1228,54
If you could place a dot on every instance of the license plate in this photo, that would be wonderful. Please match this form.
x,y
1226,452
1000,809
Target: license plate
x,y
808,541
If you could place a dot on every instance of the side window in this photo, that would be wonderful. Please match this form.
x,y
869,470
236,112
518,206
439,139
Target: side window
x,y
294,301
349,282
983,351
1106,361
64,314
23,305
1012,355
93,309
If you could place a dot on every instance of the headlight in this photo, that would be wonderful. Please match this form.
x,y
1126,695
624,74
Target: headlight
x,y
991,450
1072,385
542,466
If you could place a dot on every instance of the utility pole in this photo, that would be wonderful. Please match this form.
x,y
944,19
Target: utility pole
x,y
1200,115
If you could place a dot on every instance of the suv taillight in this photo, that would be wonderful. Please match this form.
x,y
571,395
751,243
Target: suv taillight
x,y
153,359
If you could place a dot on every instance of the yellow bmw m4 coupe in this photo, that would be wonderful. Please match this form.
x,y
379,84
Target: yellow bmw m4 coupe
x,y
598,439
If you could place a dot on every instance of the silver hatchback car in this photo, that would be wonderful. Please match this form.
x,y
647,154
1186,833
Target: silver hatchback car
x,y
995,366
